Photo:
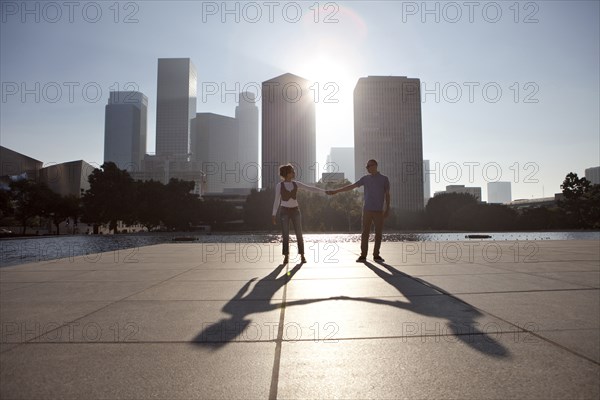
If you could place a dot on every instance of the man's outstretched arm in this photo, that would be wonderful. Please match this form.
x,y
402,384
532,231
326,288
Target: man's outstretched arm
x,y
343,189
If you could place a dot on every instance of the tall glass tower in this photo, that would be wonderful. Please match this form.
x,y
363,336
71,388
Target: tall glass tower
x,y
387,128
288,128
246,114
175,107
125,129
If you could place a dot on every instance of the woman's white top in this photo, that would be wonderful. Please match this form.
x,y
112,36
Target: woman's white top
x,y
291,203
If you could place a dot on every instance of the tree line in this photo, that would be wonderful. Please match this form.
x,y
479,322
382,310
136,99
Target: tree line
x,y
114,196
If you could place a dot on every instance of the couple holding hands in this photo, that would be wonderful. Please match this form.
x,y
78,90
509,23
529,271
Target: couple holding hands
x,y
377,192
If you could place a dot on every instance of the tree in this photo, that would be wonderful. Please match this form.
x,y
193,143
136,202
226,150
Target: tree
x,y
31,199
483,217
63,207
581,202
150,203
348,204
181,207
111,197
574,187
216,212
6,207
537,218
440,208
257,209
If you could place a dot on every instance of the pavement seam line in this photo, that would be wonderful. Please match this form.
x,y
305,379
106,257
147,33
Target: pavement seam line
x,y
278,345
506,321
92,312
545,277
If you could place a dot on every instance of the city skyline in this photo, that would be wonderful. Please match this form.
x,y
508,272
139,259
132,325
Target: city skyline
x,y
502,101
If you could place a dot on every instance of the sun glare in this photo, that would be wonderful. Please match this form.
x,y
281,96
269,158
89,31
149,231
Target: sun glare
x,y
333,82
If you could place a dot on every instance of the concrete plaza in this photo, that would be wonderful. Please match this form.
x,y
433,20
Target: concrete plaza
x,y
437,320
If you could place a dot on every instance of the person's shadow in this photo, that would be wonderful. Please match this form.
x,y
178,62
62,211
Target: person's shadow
x,y
218,334
461,317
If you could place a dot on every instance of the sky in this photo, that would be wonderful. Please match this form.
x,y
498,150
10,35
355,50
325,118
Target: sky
x,y
510,89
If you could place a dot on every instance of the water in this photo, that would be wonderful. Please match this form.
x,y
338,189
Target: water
x,y
20,251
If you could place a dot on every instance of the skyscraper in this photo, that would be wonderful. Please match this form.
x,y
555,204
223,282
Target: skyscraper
x,y
288,128
215,146
498,193
426,182
341,160
387,128
125,129
175,107
246,115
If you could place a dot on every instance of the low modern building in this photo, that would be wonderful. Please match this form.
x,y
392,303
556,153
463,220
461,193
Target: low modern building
x,y
13,163
539,202
69,178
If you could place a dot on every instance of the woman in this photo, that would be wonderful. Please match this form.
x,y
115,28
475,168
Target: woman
x,y
285,196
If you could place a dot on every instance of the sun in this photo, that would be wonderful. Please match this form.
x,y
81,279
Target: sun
x,y
331,78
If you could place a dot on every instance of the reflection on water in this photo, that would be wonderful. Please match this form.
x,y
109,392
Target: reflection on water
x,y
21,251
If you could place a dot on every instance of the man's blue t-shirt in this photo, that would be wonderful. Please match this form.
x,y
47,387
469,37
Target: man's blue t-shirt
x,y
375,188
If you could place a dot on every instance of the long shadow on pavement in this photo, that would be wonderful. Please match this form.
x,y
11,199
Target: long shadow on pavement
x,y
461,317
226,330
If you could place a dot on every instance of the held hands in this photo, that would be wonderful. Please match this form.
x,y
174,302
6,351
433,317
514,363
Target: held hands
x,y
331,192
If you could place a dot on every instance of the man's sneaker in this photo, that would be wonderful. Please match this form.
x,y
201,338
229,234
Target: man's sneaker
x,y
361,259
302,259
378,259
285,260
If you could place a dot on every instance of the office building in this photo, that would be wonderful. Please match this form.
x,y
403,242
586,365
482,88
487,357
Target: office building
x,y
215,146
593,175
341,160
473,191
175,107
246,115
426,182
499,192
288,128
387,128
163,169
332,177
125,129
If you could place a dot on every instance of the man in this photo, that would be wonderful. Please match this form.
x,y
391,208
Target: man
x,y
377,188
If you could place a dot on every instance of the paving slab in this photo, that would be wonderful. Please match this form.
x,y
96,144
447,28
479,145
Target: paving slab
x,y
136,371
473,319
434,368
181,321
